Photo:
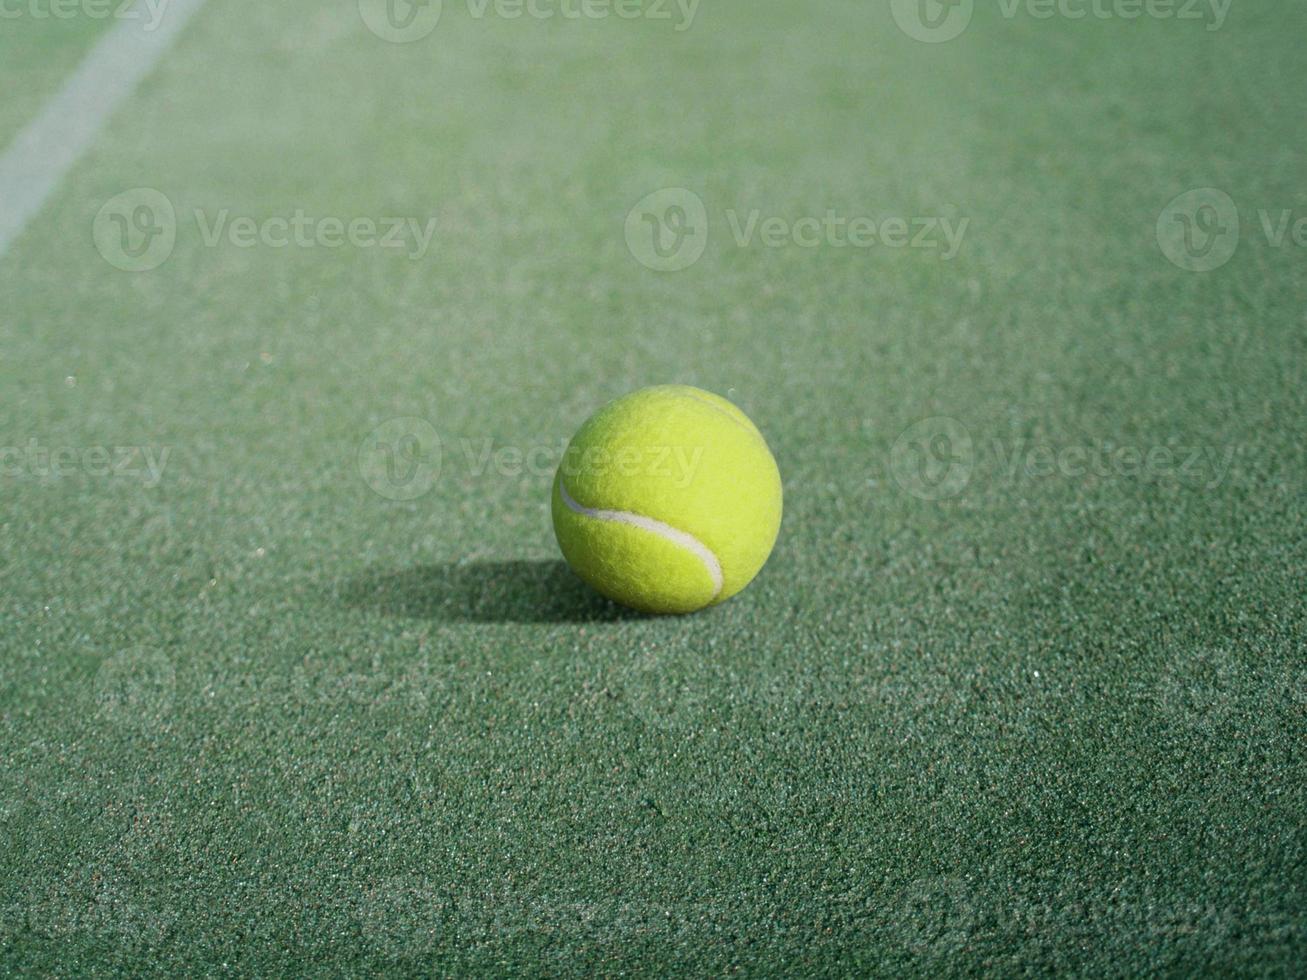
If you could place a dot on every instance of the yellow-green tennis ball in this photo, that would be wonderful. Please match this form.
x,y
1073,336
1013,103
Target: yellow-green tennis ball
x,y
668,500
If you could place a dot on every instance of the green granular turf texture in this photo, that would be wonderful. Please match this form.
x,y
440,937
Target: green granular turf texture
x,y
36,55
260,720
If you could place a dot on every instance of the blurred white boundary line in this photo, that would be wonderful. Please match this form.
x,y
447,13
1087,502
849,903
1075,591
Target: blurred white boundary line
x,y
43,152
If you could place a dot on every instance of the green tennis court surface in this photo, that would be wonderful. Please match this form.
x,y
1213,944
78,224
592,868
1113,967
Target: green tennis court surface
x,y
292,678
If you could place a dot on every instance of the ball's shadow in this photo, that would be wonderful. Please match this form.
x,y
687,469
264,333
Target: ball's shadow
x,y
483,592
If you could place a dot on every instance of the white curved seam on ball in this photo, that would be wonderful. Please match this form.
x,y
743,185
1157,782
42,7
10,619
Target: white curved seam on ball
x,y
665,531
720,411
748,427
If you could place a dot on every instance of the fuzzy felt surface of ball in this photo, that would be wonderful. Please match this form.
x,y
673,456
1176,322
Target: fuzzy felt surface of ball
x,y
668,500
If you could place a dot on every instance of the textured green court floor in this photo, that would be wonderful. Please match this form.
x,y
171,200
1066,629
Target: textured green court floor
x,y
292,680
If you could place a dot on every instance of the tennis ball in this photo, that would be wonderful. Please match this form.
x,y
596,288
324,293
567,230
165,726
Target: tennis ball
x,y
667,500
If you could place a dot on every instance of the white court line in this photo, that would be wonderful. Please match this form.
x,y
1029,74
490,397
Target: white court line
x,y
47,148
